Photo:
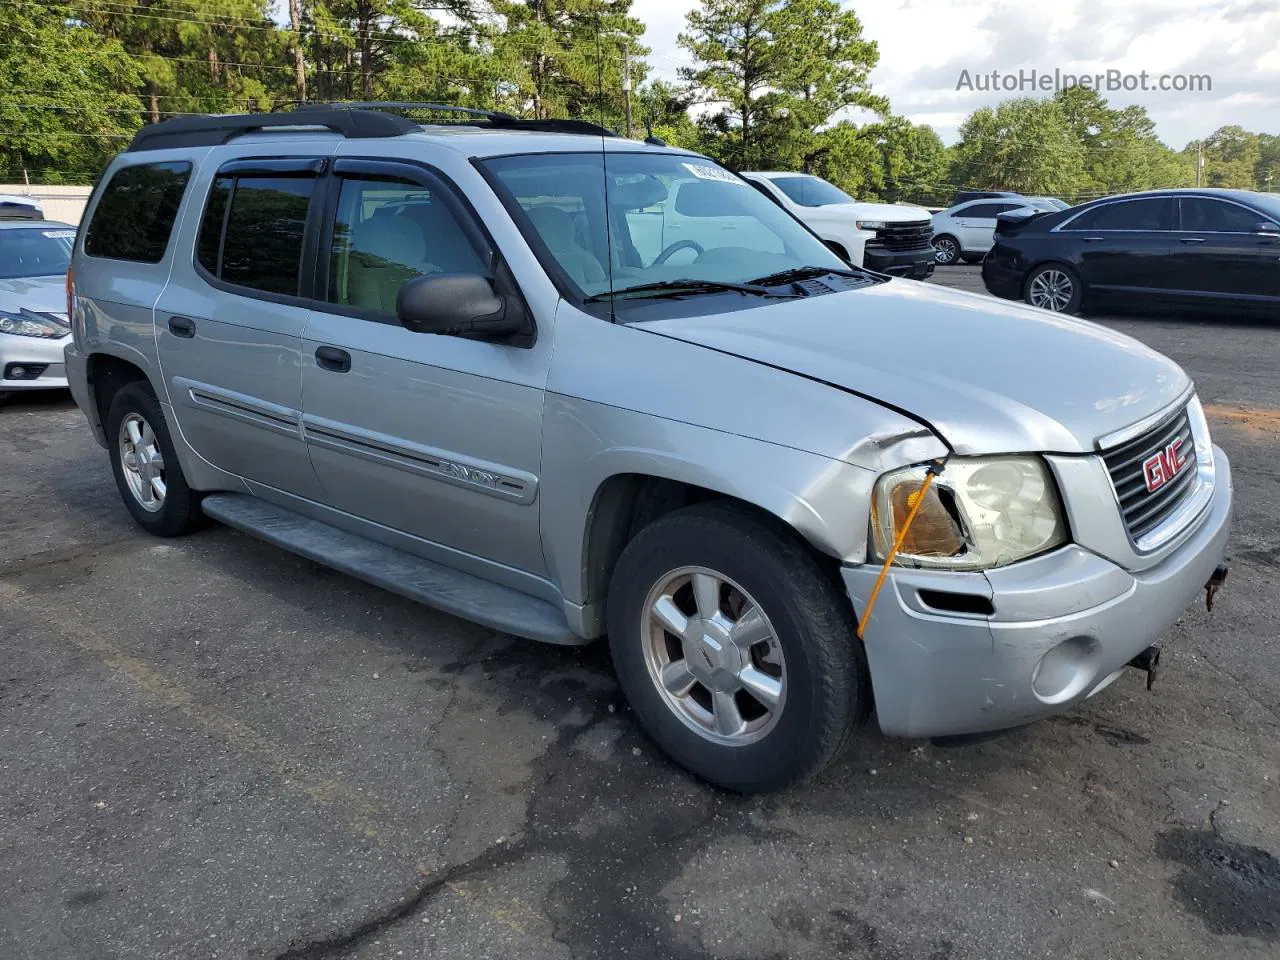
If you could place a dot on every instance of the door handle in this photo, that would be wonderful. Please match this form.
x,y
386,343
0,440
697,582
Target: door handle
x,y
183,327
331,358
1093,239
1191,239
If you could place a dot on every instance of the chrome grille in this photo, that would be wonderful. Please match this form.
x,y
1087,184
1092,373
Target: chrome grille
x,y
908,235
1145,510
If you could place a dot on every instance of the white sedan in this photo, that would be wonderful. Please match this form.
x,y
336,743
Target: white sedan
x,y
967,230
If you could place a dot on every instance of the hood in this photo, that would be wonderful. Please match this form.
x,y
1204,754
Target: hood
x,y
37,294
987,375
895,213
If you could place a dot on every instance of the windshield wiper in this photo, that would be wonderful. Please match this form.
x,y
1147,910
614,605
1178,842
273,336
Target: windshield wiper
x,y
679,288
806,273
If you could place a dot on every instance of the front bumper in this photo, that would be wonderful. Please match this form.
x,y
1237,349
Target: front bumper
x,y
913,264
1061,627
32,354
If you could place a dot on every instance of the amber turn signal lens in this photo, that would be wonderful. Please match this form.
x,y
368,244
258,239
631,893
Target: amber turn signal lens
x,y
934,532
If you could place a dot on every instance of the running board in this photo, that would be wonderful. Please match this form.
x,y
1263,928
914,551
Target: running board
x,y
433,584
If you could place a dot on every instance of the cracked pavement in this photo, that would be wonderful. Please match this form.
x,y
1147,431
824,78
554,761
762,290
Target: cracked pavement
x,y
211,748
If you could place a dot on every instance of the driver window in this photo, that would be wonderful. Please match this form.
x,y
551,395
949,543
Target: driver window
x,y
388,232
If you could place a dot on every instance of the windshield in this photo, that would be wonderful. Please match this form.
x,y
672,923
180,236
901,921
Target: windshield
x,y
32,252
669,217
811,191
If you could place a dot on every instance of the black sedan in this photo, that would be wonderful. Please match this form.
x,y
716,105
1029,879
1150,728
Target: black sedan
x,y
1161,250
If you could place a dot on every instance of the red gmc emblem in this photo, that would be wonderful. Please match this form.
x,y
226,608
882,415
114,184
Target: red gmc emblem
x,y
1163,465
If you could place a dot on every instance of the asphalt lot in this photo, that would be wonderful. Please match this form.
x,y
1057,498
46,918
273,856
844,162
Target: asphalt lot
x,y
210,748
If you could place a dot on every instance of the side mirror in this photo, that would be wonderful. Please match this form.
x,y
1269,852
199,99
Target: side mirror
x,y
457,304
1268,229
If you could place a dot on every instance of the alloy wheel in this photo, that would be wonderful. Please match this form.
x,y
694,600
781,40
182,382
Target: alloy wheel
x,y
142,461
713,656
944,251
1051,290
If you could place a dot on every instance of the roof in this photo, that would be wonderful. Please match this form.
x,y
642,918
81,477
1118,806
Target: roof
x,y
771,174
483,142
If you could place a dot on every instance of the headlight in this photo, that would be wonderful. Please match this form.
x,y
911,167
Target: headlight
x,y
869,224
977,514
28,324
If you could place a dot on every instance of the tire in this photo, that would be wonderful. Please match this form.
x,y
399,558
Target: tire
x,y
1054,287
169,508
946,250
816,664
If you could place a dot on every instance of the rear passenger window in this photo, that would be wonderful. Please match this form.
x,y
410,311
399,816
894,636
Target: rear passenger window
x,y
136,213
253,230
1151,213
388,232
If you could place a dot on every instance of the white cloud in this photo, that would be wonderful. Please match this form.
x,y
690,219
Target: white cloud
x,y
924,44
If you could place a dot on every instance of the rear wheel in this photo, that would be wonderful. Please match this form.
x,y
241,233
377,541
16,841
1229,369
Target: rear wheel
x,y
146,466
735,649
946,250
1055,287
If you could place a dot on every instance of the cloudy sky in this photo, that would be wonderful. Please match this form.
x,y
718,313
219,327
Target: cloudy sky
x,y
925,44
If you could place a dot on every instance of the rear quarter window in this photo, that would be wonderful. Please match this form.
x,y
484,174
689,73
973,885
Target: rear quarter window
x,y
136,213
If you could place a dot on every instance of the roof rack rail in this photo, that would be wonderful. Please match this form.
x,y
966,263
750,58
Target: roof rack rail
x,y
493,115
212,130
495,118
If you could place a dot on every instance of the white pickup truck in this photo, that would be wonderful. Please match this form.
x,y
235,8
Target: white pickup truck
x,y
880,236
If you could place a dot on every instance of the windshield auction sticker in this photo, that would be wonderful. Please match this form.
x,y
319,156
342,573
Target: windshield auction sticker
x,y
704,171
59,234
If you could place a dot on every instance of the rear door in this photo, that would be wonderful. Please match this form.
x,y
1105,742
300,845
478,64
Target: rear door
x,y
1122,247
1219,254
976,224
229,324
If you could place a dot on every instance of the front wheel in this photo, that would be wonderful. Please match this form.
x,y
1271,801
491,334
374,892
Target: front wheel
x,y
1055,287
946,250
735,649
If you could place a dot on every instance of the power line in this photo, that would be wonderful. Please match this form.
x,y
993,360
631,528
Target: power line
x,y
121,10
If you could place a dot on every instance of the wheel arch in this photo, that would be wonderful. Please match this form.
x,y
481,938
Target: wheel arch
x,y
106,374
627,500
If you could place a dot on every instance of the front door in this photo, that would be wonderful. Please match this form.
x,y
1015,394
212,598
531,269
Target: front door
x,y
435,436
229,326
1220,254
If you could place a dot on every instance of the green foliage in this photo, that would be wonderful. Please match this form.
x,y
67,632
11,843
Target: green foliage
x,y
1023,144
775,84
66,105
779,71
1233,157
566,56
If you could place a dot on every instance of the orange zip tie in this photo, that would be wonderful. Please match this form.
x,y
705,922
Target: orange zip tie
x,y
902,535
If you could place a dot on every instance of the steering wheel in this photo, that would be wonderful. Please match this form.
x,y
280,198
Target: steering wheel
x,y
676,247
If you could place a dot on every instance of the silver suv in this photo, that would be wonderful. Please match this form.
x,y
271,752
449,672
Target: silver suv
x,y
474,363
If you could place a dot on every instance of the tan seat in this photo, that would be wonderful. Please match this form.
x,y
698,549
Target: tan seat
x,y
386,253
556,229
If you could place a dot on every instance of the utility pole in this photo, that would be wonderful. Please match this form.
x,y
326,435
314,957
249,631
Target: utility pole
x,y
299,58
1199,161
626,85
